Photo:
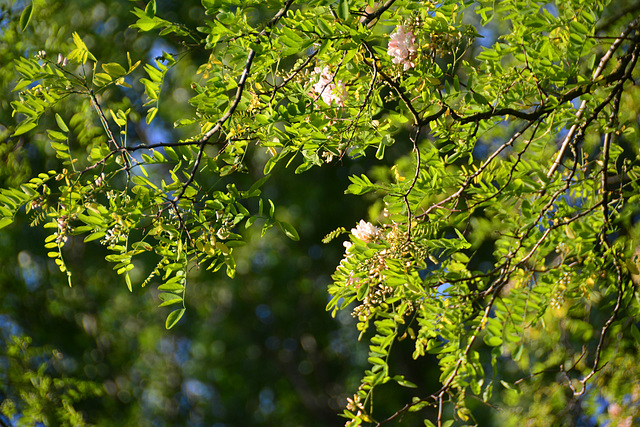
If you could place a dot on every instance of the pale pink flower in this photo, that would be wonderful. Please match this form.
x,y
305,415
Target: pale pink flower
x,y
366,231
402,47
329,88
352,282
614,410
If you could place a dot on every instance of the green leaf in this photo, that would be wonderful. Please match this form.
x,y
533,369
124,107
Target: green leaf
x,y
58,136
324,27
289,231
174,317
25,17
171,287
21,85
578,27
61,124
150,10
376,361
343,10
517,354
151,114
142,246
492,341
256,185
114,69
24,127
5,221
94,236
169,299
404,383
127,280
272,208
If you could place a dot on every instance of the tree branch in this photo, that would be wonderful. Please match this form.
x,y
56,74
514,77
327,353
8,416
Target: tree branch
x,y
368,18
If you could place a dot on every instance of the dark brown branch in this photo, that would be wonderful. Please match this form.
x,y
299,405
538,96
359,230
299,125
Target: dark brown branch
x,y
369,18
497,113
541,109
403,96
354,122
603,333
161,145
506,267
438,396
513,168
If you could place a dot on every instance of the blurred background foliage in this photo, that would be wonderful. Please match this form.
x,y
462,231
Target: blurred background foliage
x,y
259,349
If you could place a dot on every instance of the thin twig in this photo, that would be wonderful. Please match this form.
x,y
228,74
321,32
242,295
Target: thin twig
x,y
482,167
405,196
605,328
107,128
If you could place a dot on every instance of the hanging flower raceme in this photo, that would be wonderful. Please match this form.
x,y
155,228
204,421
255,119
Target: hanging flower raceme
x,y
402,47
330,89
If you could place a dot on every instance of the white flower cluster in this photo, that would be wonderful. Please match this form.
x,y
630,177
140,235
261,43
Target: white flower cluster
x,y
330,89
114,235
402,47
366,232
63,228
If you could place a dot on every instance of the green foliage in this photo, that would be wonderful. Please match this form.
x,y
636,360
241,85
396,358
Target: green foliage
x,y
507,194
42,398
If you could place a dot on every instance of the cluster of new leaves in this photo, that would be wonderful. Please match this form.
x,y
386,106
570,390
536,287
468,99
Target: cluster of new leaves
x,y
516,196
